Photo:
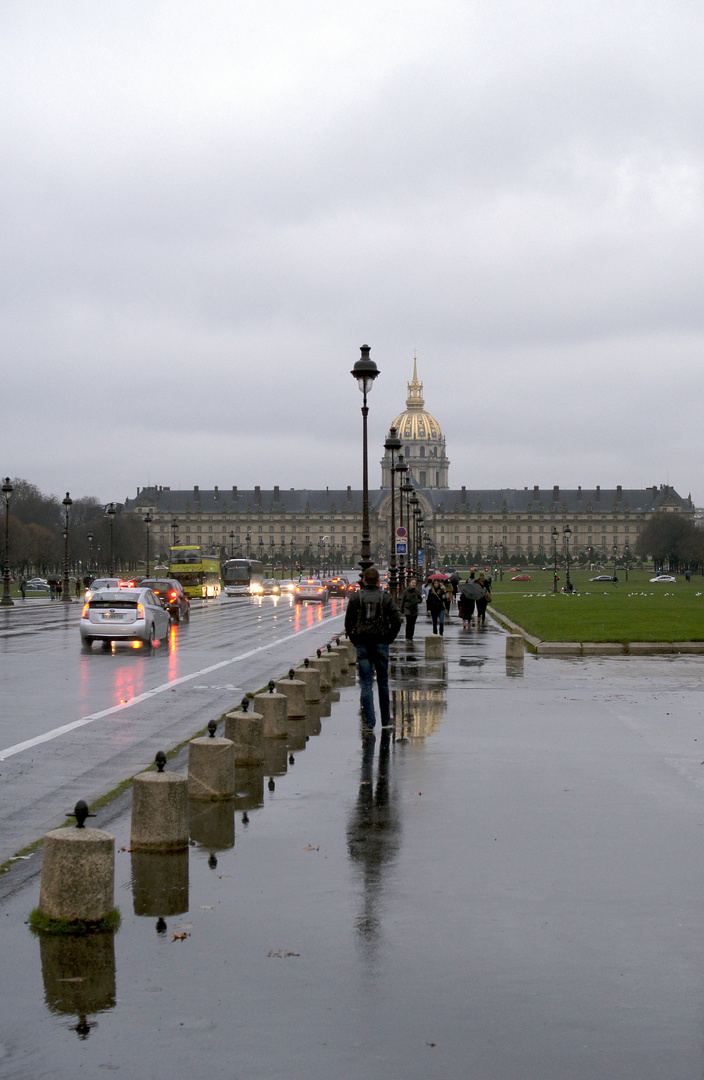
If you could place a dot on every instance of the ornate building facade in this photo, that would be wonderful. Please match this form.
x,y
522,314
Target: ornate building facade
x,y
462,524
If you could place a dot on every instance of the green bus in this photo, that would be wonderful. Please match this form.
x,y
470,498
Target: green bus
x,y
198,573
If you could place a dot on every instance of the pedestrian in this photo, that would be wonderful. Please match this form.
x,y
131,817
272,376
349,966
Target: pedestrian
x,y
23,587
78,587
482,601
372,621
52,589
411,597
58,587
449,597
436,606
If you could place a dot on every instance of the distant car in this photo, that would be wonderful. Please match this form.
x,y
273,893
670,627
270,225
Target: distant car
x,y
98,584
271,587
337,586
521,577
286,586
311,589
37,587
124,615
37,581
170,592
602,577
664,577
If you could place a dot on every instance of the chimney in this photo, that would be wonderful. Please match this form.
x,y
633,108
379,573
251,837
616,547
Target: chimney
x,y
349,490
234,491
215,489
536,492
276,491
598,493
556,493
579,493
195,490
655,490
619,493
463,496
257,493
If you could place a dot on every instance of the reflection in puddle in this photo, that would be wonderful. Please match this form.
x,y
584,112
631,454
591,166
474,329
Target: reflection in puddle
x,y
212,825
79,976
249,782
417,711
275,757
514,667
160,883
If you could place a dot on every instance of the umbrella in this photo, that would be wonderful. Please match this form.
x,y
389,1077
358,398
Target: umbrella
x,y
471,589
439,577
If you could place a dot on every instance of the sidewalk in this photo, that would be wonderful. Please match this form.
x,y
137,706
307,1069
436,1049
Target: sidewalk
x,y
509,886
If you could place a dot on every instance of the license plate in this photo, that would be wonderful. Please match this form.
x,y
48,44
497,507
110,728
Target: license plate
x,y
112,615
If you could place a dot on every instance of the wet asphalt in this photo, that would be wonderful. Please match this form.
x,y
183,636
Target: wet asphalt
x,y
508,885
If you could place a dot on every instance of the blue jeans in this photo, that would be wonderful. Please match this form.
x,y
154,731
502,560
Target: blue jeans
x,y
371,658
438,618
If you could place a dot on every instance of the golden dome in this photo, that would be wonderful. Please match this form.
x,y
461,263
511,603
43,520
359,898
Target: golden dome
x,y
415,424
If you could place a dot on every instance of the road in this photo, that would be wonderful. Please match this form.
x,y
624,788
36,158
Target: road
x,y
75,724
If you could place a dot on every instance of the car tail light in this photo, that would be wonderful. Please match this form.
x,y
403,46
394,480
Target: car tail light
x,y
172,595
140,611
84,613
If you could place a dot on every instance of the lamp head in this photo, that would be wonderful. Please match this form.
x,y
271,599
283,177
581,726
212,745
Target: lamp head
x,y
365,370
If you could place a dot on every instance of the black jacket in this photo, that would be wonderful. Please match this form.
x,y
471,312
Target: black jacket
x,y
392,616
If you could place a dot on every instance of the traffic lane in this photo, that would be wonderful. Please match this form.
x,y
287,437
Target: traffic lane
x,y
40,782
47,680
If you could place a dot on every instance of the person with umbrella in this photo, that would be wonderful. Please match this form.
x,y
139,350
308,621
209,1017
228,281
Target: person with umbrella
x,y
484,599
470,592
436,603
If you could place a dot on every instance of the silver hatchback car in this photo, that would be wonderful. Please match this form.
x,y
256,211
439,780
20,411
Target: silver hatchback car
x,y
124,615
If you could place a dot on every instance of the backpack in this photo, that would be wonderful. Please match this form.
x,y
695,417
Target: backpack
x,y
372,623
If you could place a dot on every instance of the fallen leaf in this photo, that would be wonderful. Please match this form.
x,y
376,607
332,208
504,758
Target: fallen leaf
x,y
179,937
310,848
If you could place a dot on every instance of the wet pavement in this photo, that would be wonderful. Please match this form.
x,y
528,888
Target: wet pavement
x,y
509,885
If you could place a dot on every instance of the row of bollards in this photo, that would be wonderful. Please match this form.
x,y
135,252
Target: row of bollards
x,y
78,868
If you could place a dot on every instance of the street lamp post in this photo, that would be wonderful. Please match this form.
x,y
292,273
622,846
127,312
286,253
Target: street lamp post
x,y
567,532
401,469
292,546
174,532
7,600
232,544
90,550
627,556
413,537
555,535
111,510
365,372
615,553
407,489
271,557
261,549
249,543
393,445
147,521
66,591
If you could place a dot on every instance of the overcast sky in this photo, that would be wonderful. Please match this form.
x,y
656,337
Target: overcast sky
x,y
208,207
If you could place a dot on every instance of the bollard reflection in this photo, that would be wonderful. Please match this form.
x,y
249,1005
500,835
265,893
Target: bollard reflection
x,y
417,711
249,782
514,667
212,825
275,757
79,976
313,724
325,703
296,734
373,840
160,882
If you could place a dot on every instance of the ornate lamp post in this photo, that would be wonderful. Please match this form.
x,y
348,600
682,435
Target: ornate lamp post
x,y
90,549
407,490
174,532
249,543
413,531
627,556
615,553
567,532
111,510
7,600
232,544
147,521
271,556
293,546
555,535
393,445
365,372
401,469
67,503
496,559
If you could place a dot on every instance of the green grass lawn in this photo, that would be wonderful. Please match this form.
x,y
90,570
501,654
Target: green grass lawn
x,y
637,610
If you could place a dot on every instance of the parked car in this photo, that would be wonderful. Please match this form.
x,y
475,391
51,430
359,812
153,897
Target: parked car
x,y
37,581
311,589
124,615
521,577
664,577
39,587
271,587
602,577
170,592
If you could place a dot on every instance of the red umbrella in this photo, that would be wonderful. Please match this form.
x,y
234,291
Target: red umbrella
x,y
439,577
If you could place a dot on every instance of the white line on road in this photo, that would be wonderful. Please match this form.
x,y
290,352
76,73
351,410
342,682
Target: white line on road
x,y
54,734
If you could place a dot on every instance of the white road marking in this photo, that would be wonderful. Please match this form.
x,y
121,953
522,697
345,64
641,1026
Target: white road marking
x,y
54,734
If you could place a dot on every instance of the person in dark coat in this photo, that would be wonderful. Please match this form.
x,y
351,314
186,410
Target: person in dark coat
x,y
482,601
436,606
372,621
465,605
411,597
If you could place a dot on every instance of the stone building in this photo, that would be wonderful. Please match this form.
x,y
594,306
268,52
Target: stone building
x,y
463,524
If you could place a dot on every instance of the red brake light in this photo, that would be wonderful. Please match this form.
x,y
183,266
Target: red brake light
x,y
140,611
172,595
84,613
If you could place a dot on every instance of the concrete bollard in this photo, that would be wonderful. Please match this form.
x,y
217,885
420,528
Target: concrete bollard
x,y
311,678
321,664
211,767
434,647
78,873
341,651
159,810
514,646
351,650
273,709
334,659
246,730
294,690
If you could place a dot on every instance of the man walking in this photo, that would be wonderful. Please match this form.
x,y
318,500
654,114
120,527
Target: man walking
x,y
372,621
410,599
